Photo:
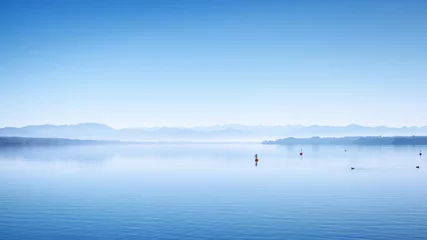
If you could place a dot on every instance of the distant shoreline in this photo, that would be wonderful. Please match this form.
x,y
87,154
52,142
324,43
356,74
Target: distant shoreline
x,y
398,140
28,141
25,141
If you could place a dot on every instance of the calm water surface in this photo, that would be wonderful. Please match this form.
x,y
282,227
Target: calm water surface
x,y
212,191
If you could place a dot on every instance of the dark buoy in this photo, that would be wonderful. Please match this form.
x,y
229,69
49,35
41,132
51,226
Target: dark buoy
x,y
417,166
421,153
300,153
346,150
352,168
256,158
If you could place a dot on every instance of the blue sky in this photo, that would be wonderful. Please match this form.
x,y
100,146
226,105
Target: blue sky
x,y
187,63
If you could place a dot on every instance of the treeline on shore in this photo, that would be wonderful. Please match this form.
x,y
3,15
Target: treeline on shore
x,y
412,140
22,141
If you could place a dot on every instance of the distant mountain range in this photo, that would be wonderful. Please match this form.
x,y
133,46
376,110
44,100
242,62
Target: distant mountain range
x,y
231,132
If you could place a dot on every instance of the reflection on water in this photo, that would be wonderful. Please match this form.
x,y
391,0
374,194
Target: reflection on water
x,y
213,191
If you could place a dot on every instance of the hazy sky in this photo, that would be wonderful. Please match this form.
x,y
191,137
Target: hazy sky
x,y
185,63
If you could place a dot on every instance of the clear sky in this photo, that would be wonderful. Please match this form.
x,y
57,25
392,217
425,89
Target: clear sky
x,y
186,63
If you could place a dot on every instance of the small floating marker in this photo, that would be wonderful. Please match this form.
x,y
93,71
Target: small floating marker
x,y
301,153
417,166
421,153
352,168
256,160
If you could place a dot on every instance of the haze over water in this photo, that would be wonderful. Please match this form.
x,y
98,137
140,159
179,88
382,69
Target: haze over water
x,y
192,70
212,191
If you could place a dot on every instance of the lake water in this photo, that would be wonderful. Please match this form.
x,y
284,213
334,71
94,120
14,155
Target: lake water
x,y
212,191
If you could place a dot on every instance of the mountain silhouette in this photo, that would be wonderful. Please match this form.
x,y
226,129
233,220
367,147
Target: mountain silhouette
x,y
228,132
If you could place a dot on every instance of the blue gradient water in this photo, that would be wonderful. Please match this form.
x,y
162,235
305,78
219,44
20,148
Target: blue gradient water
x,y
212,191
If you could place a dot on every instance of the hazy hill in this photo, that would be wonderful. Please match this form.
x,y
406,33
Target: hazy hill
x,y
231,132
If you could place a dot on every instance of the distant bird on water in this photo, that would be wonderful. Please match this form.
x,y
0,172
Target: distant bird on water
x,y
417,166
352,168
421,153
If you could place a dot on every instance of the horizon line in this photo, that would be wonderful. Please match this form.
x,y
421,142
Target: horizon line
x,y
215,125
